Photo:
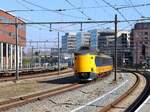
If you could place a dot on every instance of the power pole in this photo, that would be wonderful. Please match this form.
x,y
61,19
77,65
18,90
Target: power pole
x,y
16,30
115,61
58,56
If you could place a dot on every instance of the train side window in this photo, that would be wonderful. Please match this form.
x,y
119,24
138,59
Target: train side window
x,y
98,61
110,61
105,61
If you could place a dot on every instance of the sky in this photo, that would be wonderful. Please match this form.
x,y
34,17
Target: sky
x,y
76,10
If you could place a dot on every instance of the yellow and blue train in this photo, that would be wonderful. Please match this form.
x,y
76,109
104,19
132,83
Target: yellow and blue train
x,y
89,65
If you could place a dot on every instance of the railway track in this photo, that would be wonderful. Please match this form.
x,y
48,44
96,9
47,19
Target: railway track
x,y
136,103
22,100
143,96
15,102
37,75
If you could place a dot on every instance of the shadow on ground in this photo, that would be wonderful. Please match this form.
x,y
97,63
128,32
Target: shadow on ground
x,y
62,80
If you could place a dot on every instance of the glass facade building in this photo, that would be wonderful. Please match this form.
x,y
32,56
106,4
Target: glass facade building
x,y
69,42
101,39
83,39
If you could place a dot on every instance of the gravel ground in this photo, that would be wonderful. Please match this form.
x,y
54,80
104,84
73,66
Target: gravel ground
x,y
24,87
71,100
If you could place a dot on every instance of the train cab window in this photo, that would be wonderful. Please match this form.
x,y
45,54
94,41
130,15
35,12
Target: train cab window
x,y
98,61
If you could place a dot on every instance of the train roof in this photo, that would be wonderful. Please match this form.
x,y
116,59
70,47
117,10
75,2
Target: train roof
x,y
86,50
103,55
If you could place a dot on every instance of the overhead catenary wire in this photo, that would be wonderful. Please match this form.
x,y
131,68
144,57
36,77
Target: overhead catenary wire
x,y
116,10
83,13
20,3
102,24
98,4
78,22
136,10
67,0
77,8
116,6
137,5
42,25
57,12
51,10
41,41
43,8
61,9
47,27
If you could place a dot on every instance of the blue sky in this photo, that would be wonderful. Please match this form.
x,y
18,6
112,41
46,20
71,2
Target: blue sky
x,y
97,11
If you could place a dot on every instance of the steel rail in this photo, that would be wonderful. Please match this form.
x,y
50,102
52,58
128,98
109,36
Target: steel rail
x,y
34,75
15,102
122,97
141,98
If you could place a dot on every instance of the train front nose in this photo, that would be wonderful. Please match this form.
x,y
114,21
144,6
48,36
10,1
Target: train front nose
x,y
82,63
84,66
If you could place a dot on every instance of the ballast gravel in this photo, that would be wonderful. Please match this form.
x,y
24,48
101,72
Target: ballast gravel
x,y
82,99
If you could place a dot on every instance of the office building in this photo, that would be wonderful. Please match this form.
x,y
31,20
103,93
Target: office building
x,y
8,41
140,43
82,39
69,42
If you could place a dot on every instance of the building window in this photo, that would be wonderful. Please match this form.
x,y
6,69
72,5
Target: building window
x,y
141,57
146,38
146,42
146,33
9,34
